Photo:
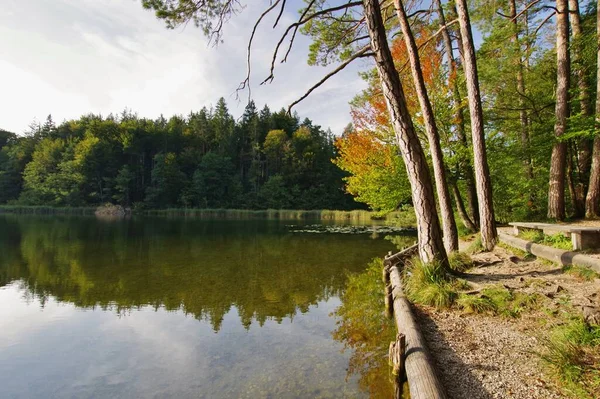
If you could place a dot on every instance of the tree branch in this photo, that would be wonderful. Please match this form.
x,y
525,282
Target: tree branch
x,y
359,54
280,13
246,82
294,34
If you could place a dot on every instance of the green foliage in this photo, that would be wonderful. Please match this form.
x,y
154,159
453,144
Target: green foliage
x,y
123,185
533,235
207,15
167,181
572,354
558,240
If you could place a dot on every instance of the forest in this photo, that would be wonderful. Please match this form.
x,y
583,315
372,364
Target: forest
x,y
205,160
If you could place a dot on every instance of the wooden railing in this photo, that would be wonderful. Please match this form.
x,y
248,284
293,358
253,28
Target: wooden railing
x,y
409,356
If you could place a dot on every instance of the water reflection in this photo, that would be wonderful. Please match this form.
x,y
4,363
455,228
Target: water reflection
x,y
162,277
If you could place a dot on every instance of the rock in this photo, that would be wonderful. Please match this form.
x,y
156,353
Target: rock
x,y
558,289
112,211
591,314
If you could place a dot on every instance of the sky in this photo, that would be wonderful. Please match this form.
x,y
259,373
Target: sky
x,y
73,57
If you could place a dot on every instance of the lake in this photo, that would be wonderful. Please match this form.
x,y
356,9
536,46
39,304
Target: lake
x,y
159,307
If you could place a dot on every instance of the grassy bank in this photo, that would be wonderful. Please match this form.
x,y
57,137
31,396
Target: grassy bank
x,y
399,218
46,210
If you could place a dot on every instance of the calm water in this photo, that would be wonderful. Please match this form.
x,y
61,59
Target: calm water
x,y
174,308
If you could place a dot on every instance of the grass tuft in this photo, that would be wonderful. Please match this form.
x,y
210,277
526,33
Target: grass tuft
x,y
476,246
581,272
499,301
475,304
572,355
428,284
460,261
531,235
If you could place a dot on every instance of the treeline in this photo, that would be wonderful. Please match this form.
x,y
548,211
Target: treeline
x,y
205,160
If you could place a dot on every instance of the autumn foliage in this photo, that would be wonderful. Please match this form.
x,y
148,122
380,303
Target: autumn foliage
x,y
368,153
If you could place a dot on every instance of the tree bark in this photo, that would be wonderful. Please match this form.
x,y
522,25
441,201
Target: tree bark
x,y
437,157
431,245
489,234
459,117
592,201
584,145
556,191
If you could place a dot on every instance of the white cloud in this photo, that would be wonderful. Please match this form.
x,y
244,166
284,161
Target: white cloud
x,y
69,57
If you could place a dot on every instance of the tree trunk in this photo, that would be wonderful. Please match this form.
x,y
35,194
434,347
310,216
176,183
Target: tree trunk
x,y
584,153
431,245
437,157
523,117
579,72
575,204
556,191
465,163
460,205
592,202
482,173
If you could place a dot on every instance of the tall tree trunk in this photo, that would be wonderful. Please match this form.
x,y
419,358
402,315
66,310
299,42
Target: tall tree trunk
x,y
592,201
523,117
459,118
584,153
437,157
482,172
431,245
460,205
556,191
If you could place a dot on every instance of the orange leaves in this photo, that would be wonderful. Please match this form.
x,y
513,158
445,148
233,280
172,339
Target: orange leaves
x,y
369,111
360,152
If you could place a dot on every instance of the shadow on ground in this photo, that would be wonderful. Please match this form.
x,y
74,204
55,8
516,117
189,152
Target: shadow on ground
x,y
457,377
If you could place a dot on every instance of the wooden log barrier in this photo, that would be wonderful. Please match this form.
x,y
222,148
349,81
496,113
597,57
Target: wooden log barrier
x,y
390,260
423,382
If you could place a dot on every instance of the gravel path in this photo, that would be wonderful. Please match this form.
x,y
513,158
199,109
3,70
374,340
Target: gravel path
x,y
493,357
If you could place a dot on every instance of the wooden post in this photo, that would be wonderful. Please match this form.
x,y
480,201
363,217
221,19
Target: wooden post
x,y
388,300
396,353
396,356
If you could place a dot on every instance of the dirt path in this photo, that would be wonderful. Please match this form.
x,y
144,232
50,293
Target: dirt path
x,y
482,356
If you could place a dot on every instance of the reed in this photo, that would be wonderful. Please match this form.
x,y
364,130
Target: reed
x,y
46,210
